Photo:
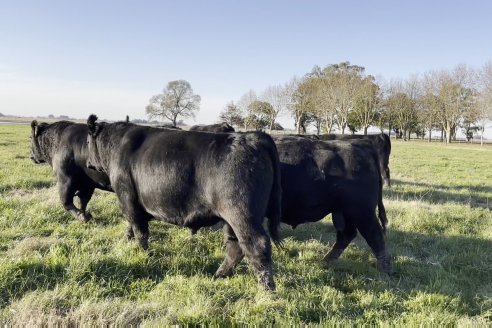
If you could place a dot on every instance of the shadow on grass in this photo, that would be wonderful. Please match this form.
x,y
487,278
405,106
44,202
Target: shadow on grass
x,y
26,277
440,194
450,265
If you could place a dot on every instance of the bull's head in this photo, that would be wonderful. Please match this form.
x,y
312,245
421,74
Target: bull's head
x,y
37,154
94,161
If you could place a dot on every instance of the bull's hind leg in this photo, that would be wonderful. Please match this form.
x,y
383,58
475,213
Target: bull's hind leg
x,y
346,232
234,254
256,246
67,191
372,232
85,196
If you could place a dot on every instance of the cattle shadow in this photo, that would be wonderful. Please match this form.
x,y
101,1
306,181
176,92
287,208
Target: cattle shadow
x,y
450,265
440,194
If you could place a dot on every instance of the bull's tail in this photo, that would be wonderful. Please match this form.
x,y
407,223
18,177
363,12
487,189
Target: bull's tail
x,y
274,210
381,210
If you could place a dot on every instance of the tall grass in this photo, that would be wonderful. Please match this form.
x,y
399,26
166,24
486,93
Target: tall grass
x,y
55,270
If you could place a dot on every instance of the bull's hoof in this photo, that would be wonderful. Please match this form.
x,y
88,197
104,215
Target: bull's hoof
x,y
265,280
332,255
144,243
82,217
384,265
221,274
88,216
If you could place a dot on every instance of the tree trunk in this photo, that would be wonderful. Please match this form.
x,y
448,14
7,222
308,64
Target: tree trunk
x,y
448,134
430,135
298,125
365,130
481,135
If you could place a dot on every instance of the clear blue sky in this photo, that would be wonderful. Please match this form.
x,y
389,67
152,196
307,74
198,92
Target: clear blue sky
x,y
110,57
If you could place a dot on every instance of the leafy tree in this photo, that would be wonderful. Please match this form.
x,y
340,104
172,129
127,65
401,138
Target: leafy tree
x,y
176,100
303,99
260,114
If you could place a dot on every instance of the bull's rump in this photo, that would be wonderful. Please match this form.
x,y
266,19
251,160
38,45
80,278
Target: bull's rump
x,y
320,177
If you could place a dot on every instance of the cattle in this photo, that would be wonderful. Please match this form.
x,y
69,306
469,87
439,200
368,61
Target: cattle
x,y
216,128
381,143
63,145
195,179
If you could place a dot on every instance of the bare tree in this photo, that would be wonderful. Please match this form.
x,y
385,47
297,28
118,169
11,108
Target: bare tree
x,y
176,100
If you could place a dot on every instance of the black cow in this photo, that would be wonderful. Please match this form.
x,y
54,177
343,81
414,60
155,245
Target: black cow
x,y
63,145
194,179
216,128
381,143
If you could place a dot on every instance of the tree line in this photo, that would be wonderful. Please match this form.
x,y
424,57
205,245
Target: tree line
x,y
343,98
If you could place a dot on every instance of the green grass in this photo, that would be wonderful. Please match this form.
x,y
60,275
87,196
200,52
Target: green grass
x,y
55,270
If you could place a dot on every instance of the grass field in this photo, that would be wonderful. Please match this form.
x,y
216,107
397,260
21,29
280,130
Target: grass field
x,y
54,270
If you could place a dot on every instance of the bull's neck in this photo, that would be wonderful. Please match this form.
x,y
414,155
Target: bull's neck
x,y
106,143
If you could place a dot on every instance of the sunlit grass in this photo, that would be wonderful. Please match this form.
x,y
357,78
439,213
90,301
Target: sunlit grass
x,y
55,270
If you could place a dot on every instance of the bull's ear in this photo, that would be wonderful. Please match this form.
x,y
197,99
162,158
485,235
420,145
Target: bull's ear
x,y
92,125
36,128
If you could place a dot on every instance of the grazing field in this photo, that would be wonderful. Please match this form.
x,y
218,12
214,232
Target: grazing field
x,y
55,270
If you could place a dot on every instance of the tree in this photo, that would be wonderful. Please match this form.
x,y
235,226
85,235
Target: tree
x,y
176,100
260,113
232,115
484,104
457,97
400,105
243,105
344,85
278,97
366,102
302,102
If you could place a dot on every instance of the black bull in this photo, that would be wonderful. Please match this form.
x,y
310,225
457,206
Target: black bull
x,y
63,145
194,179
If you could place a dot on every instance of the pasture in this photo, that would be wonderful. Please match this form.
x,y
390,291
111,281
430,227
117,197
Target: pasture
x,y
55,270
